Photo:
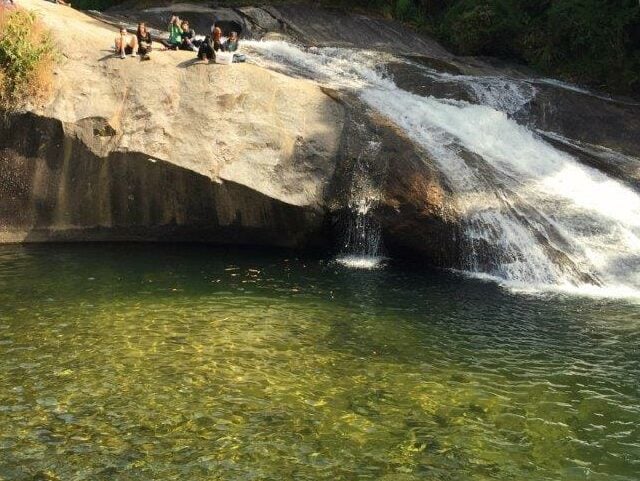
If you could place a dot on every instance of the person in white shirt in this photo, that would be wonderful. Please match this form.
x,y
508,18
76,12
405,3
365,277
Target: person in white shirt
x,y
125,44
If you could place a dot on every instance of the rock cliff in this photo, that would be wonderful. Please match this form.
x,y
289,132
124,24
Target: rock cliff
x,y
176,150
164,149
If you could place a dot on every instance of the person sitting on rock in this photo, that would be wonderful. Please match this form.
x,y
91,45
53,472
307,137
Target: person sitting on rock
x,y
175,34
144,41
217,39
125,43
189,41
211,45
231,45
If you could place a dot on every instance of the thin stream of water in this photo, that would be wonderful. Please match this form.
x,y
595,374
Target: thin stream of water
x,y
362,244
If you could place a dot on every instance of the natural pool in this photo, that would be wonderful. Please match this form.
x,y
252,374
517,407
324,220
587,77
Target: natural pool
x,y
192,363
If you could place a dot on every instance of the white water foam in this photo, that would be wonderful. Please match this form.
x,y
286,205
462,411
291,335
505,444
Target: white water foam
x,y
503,94
536,208
361,261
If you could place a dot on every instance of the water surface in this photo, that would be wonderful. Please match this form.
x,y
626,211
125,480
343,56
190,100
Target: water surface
x,y
192,363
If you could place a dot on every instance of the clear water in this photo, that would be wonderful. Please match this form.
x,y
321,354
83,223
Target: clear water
x,y
188,363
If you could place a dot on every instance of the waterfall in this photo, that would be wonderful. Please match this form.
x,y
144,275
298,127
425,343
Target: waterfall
x,y
362,236
534,217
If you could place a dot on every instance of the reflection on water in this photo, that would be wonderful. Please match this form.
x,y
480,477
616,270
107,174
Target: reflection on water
x,y
139,363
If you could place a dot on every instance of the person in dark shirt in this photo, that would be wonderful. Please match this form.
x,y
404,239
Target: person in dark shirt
x,y
211,45
144,41
189,41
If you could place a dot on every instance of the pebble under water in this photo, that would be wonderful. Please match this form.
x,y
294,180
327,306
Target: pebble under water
x,y
138,362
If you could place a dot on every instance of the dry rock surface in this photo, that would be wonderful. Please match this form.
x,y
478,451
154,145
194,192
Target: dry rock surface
x,y
271,137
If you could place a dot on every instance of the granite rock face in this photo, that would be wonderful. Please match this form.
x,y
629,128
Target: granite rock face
x,y
176,150
168,149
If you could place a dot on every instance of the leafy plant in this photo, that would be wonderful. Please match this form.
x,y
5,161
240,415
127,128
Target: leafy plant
x,y
484,27
27,54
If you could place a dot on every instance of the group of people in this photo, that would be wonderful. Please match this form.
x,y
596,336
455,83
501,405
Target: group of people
x,y
181,37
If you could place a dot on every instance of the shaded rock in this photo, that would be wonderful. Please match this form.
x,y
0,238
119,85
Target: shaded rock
x,y
261,20
326,27
201,17
588,117
416,207
54,188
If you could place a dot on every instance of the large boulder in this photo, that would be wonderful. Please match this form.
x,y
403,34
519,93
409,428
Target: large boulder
x,y
407,196
176,150
165,149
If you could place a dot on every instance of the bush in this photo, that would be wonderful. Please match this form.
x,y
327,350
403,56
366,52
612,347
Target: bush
x,y
484,27
595,42
26,59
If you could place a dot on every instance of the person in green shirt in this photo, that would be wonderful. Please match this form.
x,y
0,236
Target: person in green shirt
x,y
175,34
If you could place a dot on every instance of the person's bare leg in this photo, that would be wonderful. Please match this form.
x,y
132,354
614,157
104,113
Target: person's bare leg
x,y
134,46
120,47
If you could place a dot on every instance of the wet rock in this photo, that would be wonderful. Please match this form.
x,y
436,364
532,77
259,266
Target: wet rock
x,y
415,79
587,118
623,167
416,208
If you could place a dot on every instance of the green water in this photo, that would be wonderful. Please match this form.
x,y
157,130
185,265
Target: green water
x,y
190,363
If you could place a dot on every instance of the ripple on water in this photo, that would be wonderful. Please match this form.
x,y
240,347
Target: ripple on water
x,y
153,371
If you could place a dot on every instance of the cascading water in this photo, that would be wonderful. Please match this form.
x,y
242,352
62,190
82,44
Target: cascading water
x,y
535,217
362,242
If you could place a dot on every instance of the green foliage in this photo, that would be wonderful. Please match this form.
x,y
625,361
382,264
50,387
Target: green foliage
x,y
483,28
595,42
26,56
589,40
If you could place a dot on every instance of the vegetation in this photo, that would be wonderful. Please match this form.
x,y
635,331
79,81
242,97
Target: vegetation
x,y
594,42
26,58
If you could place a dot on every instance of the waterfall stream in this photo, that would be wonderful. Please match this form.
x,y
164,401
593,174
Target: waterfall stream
x,y
534,217
362,234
